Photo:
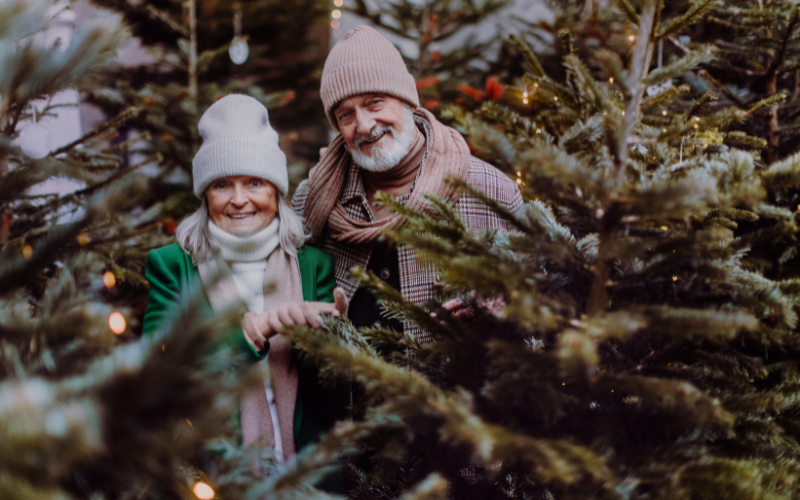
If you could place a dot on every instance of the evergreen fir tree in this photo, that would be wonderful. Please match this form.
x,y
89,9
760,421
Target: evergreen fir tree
x,y
189,42
88,410
444,70
642,351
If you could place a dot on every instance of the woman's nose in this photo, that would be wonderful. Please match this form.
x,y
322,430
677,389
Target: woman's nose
x,y
239,198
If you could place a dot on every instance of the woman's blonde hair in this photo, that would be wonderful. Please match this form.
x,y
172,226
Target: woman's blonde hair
x,y
195,239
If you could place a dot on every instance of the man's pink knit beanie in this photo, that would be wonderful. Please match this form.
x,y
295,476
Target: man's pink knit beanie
x,y
363,62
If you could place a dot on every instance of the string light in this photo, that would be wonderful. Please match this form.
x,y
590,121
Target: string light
x,y
674,278
336,14
623,113
338,3
109,280
203,491
83,239
611,80
27,252
117,324
664,112
334,24
663,228
525,96
519,181
631,38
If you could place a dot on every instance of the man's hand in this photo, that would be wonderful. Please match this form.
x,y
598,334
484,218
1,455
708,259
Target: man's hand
x,y
340,300
461,309
259,328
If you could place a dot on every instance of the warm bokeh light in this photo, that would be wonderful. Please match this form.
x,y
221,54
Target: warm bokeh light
x,y
117,323
338,3
109,280
674,278
631,38
336,14
334,24
83,239
203,491
27,252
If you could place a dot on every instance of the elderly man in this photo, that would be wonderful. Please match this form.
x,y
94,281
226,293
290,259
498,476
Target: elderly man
x,y
386,143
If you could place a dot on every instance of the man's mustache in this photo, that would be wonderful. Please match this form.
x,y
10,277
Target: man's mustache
x,y
374,134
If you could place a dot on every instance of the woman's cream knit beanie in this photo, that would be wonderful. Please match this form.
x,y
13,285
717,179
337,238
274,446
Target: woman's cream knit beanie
x,y
363,62
238,140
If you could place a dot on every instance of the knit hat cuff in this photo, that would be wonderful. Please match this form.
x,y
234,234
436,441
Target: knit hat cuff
x,y
240,157
364,77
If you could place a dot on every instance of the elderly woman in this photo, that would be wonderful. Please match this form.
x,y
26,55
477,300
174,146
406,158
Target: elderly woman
x,y
242,241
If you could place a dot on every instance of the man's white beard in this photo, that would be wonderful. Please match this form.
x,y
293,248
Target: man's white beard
x,y
379,160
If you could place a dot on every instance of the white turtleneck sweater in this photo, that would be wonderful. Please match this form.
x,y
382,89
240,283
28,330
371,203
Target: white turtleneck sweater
x,y
247,258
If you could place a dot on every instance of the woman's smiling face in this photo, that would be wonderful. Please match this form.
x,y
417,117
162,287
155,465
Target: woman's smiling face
x,y
241,204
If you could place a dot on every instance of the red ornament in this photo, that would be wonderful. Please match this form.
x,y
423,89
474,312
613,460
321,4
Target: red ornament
x,y
169,225
427,82
472,92
494,89
288,97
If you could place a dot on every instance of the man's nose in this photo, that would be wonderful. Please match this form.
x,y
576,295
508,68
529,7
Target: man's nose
x,y
364,121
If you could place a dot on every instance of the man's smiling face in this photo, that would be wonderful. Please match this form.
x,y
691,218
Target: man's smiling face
x,y
374,126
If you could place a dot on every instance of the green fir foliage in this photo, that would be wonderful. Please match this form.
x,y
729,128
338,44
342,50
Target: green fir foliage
x,y
636,336
87,412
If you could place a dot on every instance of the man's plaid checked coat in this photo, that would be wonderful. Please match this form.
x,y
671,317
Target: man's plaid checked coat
x,y
416,278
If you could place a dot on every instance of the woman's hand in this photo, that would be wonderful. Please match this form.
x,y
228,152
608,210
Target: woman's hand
x,y
259,328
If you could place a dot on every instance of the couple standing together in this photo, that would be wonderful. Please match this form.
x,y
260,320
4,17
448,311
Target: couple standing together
x,y
245,236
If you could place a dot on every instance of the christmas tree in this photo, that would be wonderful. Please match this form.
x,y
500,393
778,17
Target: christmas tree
x,y
444,57
195,53
640,349
88,410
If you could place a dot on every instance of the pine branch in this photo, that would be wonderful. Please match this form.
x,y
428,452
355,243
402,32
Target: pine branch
x,y
629,11
691,16
528,54
112,125
167,19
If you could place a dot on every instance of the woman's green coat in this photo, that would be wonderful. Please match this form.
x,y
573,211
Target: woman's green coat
x,y
172,276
